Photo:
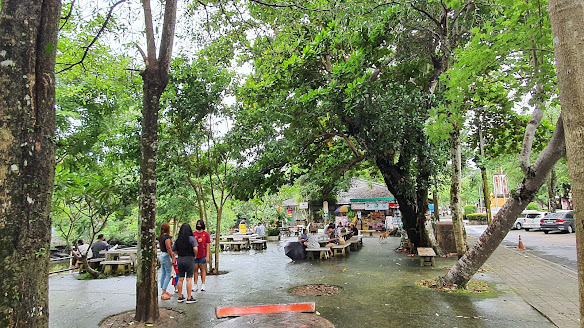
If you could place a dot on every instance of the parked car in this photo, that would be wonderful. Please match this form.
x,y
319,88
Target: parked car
x,y
559,221
522,219
532,219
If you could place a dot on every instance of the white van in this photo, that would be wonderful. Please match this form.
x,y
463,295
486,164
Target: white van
x,y
531,219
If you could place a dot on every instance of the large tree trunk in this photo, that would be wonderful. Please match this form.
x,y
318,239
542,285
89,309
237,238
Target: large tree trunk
x,y
155,78
455,186
28,38
567,19
468,265
146,284
411,194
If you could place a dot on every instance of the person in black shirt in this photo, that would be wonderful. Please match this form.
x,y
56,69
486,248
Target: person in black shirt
x,y
186,247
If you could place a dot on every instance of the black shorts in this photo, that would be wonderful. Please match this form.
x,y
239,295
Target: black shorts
x,y
186,266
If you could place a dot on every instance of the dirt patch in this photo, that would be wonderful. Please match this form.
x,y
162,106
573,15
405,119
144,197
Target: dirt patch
x,y
168,318
315,290
472,287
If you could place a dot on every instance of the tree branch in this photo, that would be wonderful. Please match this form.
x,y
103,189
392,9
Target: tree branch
x,y
295,5
66,18
167,34
103,26
150,43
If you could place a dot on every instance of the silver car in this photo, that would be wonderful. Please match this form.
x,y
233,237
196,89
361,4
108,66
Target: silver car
x,y
532,220
559,221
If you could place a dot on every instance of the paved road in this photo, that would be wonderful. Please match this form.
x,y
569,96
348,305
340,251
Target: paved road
x,y
555,247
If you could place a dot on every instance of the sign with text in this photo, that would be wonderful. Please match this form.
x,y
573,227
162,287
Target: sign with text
x,y
303,205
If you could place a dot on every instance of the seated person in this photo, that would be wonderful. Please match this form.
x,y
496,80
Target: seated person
x,y
82,249
260,230
303,238
99,246
333,238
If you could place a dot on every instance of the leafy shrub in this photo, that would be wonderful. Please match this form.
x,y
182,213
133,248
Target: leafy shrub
x,y
477,217
470,209
532,206
273,232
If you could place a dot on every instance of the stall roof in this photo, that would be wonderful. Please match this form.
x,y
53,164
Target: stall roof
x,y
362,189
378,199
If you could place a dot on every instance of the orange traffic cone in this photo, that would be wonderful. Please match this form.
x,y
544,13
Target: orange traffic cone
x,y
520,244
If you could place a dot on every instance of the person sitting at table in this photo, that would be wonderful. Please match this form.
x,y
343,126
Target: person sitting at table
x,y
187,247
260,230
99,246
303,238
333,239
82,249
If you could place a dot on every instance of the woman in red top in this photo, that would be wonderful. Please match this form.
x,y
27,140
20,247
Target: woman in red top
x,y
202,256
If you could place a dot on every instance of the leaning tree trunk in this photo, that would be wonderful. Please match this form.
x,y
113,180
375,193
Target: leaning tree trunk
x,y
155,78
28,39
455,186
567,19
468,265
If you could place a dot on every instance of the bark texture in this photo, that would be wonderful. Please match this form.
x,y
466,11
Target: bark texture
x,y
28,39
455,186
567,19
468,265
155,78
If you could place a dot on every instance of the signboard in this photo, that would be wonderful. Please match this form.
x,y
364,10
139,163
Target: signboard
x,y
303,205
357,206
500,185
325,207
359,214
377,206
289,213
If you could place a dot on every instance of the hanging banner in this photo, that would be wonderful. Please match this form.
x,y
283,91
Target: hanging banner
x,y
325,207
500,185
289,213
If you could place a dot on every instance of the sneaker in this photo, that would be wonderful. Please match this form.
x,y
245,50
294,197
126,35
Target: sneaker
x,y
176,291
180,299
195,288
203,287
191,300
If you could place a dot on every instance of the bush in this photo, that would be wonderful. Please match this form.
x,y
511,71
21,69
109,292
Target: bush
x,y
273,232
477,217
470,209
532,206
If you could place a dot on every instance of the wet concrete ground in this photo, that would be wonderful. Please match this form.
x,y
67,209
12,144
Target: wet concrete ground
x,y
378,290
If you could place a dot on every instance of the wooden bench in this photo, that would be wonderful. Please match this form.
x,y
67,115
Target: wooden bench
x,y
233,245
322,251
426,255
120,267
341,249
358,240
259,244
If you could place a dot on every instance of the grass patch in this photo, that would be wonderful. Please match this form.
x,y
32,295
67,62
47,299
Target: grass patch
x,y
87,276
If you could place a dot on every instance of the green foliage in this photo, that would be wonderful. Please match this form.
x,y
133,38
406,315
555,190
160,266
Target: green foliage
x,y
470,209
273,232
477,217
532,206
